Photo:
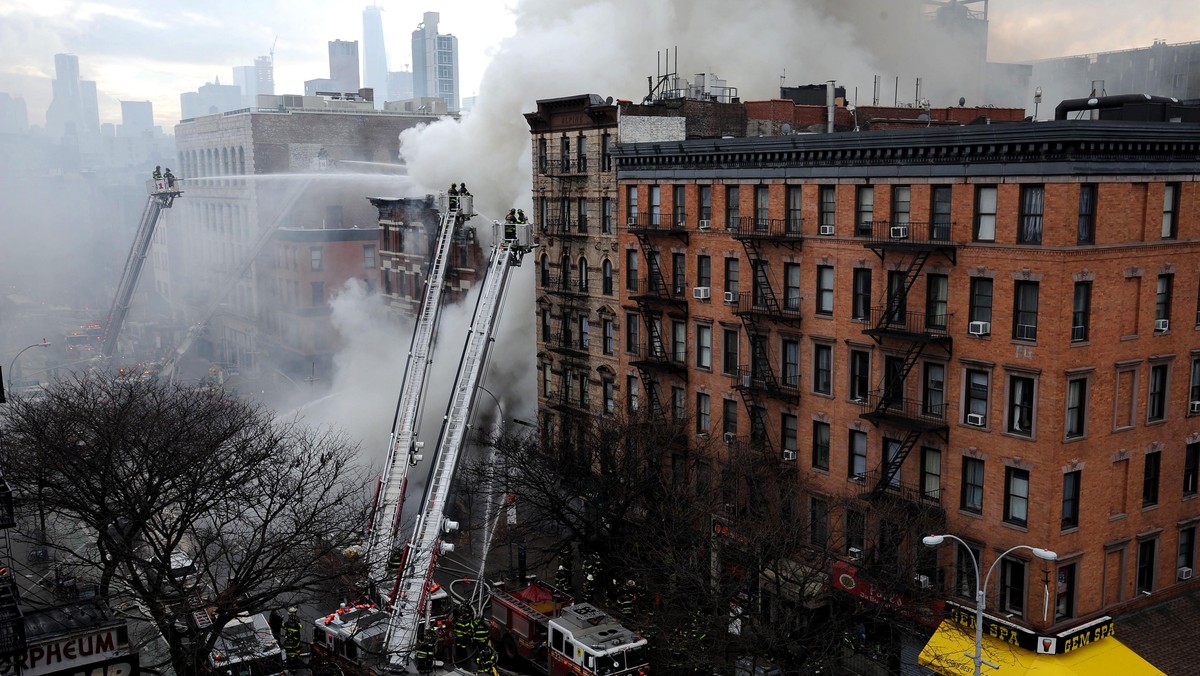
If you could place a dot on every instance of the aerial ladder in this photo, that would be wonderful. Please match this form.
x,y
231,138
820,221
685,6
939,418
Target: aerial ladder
x,y
162,194
410,597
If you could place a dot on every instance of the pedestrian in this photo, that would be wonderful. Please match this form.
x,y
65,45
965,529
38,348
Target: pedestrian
x,y
291,635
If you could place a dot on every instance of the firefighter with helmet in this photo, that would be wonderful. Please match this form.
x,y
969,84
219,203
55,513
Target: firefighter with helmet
x,y
482,633
453,193
291,636
426,646
485,661
463,628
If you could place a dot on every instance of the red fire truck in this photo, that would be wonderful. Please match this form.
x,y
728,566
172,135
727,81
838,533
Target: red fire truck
x,y
559,637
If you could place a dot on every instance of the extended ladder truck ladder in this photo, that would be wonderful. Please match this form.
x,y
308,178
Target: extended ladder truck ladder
x,y
411,602
161,197
402,449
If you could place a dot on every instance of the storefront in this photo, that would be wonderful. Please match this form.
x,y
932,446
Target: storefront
x,y
1091,649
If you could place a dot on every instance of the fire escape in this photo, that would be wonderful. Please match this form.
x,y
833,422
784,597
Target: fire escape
x,y
655,297
759,310
12,622
570,342
905,337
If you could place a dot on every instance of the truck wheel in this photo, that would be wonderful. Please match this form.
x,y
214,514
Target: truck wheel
x,y
508,648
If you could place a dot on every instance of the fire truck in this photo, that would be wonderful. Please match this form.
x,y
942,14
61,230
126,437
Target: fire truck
x,y
557,636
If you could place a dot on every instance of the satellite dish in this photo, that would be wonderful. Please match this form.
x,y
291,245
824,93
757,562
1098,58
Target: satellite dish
x,y
608,101
962,101
923,117
787,129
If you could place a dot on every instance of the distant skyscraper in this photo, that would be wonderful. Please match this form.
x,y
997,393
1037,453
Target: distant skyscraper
x,y
375,72
209,99
66,108
90,104
400,85
14,117
435,62
137,118
343,70
255,80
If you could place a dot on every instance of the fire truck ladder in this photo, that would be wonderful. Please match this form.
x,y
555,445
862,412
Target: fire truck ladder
x,y
159,199
402,449
409,604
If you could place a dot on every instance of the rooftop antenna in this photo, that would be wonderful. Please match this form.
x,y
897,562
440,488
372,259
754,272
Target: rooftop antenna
x,y
272,52
782,77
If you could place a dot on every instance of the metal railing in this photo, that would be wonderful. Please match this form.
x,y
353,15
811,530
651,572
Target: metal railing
x,y
929,413
887,318
773,229
903,233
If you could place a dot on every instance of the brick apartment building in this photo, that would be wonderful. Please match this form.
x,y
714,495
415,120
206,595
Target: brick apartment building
x,y
982,321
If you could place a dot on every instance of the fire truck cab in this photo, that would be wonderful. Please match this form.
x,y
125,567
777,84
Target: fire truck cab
x,y
583,640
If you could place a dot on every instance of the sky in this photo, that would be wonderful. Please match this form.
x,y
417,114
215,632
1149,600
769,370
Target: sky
x,y
155,51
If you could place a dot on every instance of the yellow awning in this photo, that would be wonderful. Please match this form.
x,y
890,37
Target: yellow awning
x,y
950,653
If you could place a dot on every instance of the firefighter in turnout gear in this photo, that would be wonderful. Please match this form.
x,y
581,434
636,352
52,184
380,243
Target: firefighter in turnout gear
x,y
291,636
426,646
564,577
481,632
627,597
591,576
463,629
485,661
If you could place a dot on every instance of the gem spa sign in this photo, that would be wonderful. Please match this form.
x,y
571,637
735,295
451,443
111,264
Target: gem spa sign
x,y
1063,642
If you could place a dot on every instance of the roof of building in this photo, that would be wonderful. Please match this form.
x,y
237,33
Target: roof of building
x,y
67,619
1163,633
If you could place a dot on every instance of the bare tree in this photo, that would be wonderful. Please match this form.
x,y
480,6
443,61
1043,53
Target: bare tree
x,y
118,477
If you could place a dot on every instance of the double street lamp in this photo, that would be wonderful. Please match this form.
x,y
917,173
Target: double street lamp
x,y
13,363
981,589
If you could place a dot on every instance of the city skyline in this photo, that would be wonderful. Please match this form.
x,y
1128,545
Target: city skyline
x,y
137,55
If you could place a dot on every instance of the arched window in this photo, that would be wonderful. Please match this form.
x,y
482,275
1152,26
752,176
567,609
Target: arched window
x,y
225,161
583,274
241,160
545,271
564,267
606,275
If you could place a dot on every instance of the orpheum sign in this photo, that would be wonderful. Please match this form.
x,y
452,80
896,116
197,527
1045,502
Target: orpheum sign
x,y
101,652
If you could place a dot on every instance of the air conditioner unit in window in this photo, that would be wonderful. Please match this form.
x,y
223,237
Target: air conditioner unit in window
x,y
705,224
922,581
789,456
854,554
899,232
975,419
1162,325
1184,573
701,292
746,380
730,298
825,230
729,438
1026,331
980,328
702,435
1194,407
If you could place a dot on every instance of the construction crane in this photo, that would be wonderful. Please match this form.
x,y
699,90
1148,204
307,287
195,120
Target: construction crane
x,y
162,193
404,567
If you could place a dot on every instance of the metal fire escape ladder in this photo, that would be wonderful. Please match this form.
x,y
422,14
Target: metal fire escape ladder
x,y
155,203
401,452
763,295
411,599
891,466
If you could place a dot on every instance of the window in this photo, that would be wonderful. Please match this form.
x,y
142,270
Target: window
x,y
860,374
729,416
933,401
1070,500
583,275
824,290
965,560
937,296
891,461
678,273
582,212
368,256
678,409
1086,232
1145,565
939,211
543,163
1081,311
547,378
1191,468
790,358
1194,388
610,405
792,206
729,351
1025,310
607,325
318,293
976,398
1186,556
703,270
972,485
704,347
931,474
655,205
732,219
632,330
1012,586
1162,303
1150,474
788,432
631,204
864,210
631,393
545,271
761,221
678,199
1029,228
1170,213
791,287
901,204
679,342
703,412
545,325
860,306
581,152
858,454
1064,599
856,533
1020,405
1156,404
985,213
705,198
981,300
1076,408
822,369
584,399
314,254
606,215
606,277
820,449
631,271
818,522
827,209
731,276
758,425
897,298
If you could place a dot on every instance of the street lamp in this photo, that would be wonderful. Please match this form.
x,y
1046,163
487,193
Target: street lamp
x,y
13,363
981,590
1037,101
